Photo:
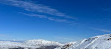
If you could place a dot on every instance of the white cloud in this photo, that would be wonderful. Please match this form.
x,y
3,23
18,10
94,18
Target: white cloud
x,y
39,8
49,18
103,30
32,7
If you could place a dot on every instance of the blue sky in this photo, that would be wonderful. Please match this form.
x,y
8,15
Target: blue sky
x,y
56,20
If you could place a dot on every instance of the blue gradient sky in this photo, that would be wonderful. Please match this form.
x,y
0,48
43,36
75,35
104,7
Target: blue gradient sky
x,y
56,20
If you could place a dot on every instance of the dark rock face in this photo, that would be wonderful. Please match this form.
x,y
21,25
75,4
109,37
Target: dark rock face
x,y
47,47
66,46
42,47
17,48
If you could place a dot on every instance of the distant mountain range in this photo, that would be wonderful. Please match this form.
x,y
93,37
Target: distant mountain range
x,y
29,44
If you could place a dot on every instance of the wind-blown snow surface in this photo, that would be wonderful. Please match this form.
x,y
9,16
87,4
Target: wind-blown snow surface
x,y
97,42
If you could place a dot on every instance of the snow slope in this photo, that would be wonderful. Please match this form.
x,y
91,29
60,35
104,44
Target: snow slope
x,y
97,42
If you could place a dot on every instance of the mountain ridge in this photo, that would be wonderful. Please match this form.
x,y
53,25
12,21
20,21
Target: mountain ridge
x,y
96,42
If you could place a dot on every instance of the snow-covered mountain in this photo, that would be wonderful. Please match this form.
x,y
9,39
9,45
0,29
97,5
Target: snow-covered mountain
x,y
29,44
97,42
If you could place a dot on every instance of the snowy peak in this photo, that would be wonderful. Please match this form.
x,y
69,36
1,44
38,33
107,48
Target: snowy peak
x,y
97,42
